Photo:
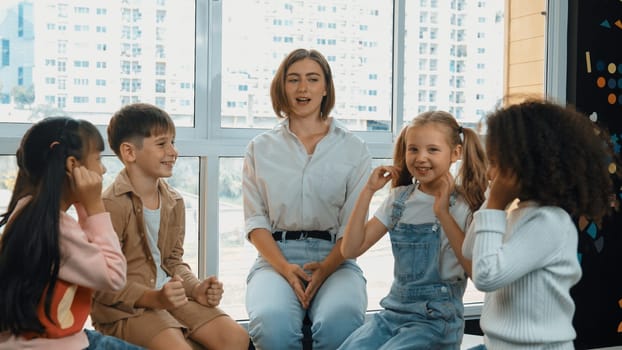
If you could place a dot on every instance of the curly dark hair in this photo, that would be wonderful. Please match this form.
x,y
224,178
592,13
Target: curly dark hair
x,y
556,153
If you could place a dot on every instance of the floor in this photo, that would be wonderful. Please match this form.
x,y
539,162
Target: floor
x,y
469,340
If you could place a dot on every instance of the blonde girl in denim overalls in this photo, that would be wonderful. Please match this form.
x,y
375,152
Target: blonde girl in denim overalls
x,y
426,215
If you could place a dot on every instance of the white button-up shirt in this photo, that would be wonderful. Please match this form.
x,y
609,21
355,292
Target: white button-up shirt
x,y
285,188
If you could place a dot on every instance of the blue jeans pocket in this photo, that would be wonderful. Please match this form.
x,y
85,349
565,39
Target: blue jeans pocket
x,y
98,341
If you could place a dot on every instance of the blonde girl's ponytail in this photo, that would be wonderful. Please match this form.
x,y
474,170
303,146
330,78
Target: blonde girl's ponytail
x,y
472,181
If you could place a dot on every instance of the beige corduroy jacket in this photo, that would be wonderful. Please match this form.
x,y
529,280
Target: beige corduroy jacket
x,y
125,209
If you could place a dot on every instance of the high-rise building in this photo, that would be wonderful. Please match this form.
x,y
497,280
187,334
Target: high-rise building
x,y
86,58
16,58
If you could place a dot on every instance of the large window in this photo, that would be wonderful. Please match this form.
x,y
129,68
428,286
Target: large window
x,y
355,36
109,52
210,64
7,180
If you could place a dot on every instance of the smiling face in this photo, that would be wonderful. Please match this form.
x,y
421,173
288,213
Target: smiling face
x,y
157,155
305,88
428,154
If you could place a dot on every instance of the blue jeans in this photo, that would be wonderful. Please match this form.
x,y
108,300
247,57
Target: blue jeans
x,y
276,316
390,330
98,341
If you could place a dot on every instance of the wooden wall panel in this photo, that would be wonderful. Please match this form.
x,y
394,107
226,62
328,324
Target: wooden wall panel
x,y
525,48
523,51
520,8
528,73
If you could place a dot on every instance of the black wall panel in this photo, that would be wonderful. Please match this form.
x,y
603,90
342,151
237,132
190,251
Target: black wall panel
x,y
595,88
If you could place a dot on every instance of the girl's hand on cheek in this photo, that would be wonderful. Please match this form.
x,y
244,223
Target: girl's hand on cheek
x,y
87,187
441,201
504,188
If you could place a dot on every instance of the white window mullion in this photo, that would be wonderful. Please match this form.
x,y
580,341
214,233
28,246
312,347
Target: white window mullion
x,y
208,217
397,108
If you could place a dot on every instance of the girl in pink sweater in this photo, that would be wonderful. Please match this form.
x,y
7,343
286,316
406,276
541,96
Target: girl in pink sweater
x,y
50,264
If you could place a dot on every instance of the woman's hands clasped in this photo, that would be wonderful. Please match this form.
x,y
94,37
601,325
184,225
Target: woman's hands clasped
x,y
298,279
306,280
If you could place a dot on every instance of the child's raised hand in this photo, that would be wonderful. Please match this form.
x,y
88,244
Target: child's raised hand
x,y
504,189
444,190
380,176
172,295
87,188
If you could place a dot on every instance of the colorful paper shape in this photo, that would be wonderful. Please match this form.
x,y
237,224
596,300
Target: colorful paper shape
x,y
592,230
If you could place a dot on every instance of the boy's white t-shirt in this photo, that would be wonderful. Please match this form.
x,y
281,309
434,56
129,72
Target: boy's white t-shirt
x,y
418,209
152,223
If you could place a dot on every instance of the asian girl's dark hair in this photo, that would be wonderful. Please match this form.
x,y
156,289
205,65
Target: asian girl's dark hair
x,y
30,255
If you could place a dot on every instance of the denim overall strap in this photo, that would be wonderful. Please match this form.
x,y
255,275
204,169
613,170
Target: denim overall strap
x,y
452,202
398,205
417,253
421,311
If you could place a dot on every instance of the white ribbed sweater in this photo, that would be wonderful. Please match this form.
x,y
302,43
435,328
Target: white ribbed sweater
x,y
526,263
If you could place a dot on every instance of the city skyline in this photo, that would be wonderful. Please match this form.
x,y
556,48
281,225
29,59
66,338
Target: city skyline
x,y
86,58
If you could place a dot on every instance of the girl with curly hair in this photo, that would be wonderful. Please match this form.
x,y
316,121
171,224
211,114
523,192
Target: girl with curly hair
x,y
550,158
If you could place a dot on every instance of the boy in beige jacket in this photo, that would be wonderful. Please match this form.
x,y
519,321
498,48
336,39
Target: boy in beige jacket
x,y
163,303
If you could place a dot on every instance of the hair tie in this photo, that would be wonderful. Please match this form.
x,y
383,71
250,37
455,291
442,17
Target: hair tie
x,y
460,129
460,133
54,143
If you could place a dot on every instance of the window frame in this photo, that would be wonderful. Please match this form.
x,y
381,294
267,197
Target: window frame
x,y
209,141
